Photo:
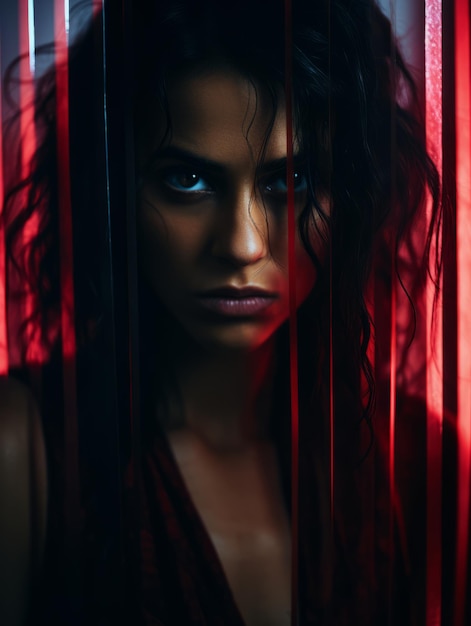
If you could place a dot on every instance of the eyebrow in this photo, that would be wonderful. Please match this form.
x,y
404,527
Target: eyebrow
x,y
203,163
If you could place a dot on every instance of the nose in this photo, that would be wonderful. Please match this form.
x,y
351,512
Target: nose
x,y
241,234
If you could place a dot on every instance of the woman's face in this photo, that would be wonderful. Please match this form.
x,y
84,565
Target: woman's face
x,y
212,214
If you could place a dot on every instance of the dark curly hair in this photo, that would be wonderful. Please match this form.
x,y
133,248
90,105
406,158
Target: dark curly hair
x,y
358,123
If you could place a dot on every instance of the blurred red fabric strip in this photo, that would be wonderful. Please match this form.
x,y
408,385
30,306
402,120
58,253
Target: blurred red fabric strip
x,y
63,150
34,351
3,303
434,317
71,500
392,418
463,230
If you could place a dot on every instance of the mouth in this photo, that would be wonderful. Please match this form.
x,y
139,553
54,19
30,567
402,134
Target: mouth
x,y
237,302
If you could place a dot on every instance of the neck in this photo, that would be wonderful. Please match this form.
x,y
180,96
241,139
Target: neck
x,y
225,396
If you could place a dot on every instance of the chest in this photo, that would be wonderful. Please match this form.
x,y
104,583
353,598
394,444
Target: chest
x,y
239,501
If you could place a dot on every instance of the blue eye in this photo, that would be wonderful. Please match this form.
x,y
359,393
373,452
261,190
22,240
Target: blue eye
x,y
278,184
185,181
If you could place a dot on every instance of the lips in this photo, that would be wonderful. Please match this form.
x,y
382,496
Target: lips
x,y
237,302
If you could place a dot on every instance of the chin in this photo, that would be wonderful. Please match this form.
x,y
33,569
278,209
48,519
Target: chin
x,y
238,339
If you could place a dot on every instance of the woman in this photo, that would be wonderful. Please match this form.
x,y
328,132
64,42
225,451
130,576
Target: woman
x,y
209,91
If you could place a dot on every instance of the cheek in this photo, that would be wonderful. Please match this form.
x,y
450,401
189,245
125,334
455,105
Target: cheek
x,y
306,272
171,230
158,248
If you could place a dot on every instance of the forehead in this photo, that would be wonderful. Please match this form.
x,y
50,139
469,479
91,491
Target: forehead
x,y
222,114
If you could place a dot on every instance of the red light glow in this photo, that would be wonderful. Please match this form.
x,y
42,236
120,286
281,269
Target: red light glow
x,y
3,303
434,352
463,254
34,352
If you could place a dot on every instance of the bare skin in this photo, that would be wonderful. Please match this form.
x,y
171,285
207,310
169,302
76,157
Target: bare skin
x,y
230,469
237,495
210,218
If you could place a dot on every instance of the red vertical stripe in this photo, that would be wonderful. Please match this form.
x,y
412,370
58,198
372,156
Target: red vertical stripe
x,y
392,420
34,351
66,274
3,303
463,230
434,376
392,346
66,242
292,318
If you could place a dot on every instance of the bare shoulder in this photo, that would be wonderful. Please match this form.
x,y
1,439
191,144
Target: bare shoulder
x,y
23,496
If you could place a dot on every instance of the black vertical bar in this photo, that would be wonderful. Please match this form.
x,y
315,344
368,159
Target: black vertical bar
x,y
116,431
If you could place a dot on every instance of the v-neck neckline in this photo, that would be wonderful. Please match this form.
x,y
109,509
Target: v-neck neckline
x,y
206,546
